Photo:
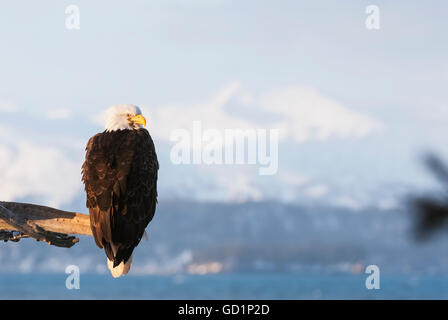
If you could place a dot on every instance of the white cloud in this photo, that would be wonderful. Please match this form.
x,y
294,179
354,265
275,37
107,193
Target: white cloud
x,y
7,106
317,191
301,114
307,115
58,114
290,177
164,119
30,170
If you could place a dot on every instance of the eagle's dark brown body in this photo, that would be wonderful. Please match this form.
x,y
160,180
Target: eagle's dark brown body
x,y
120,177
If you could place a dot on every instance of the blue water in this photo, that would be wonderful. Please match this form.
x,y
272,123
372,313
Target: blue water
x,y
222,286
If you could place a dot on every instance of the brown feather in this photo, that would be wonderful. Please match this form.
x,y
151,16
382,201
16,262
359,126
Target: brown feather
x,y
120,177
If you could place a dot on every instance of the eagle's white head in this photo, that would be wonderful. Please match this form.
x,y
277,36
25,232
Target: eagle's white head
x,y
124,116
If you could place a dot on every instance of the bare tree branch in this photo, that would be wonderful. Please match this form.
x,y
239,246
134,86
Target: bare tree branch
x,y
50,225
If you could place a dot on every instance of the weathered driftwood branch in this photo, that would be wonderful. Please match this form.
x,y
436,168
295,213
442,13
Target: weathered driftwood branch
x,y
53,226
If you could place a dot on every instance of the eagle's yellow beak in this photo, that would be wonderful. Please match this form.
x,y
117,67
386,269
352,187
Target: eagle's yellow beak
x,y
139,119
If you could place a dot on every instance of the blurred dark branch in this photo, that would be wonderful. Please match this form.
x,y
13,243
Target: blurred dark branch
x,y
431,213
53,226
438,168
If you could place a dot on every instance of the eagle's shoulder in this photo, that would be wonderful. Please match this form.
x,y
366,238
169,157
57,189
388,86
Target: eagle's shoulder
x,y
92,139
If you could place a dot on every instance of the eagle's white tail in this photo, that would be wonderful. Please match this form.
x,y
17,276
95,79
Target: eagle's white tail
x,y
121,269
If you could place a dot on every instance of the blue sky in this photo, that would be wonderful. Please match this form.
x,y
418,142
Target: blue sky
x,y
382,92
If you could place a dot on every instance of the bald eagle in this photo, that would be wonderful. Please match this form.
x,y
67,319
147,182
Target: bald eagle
x,y
120,178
